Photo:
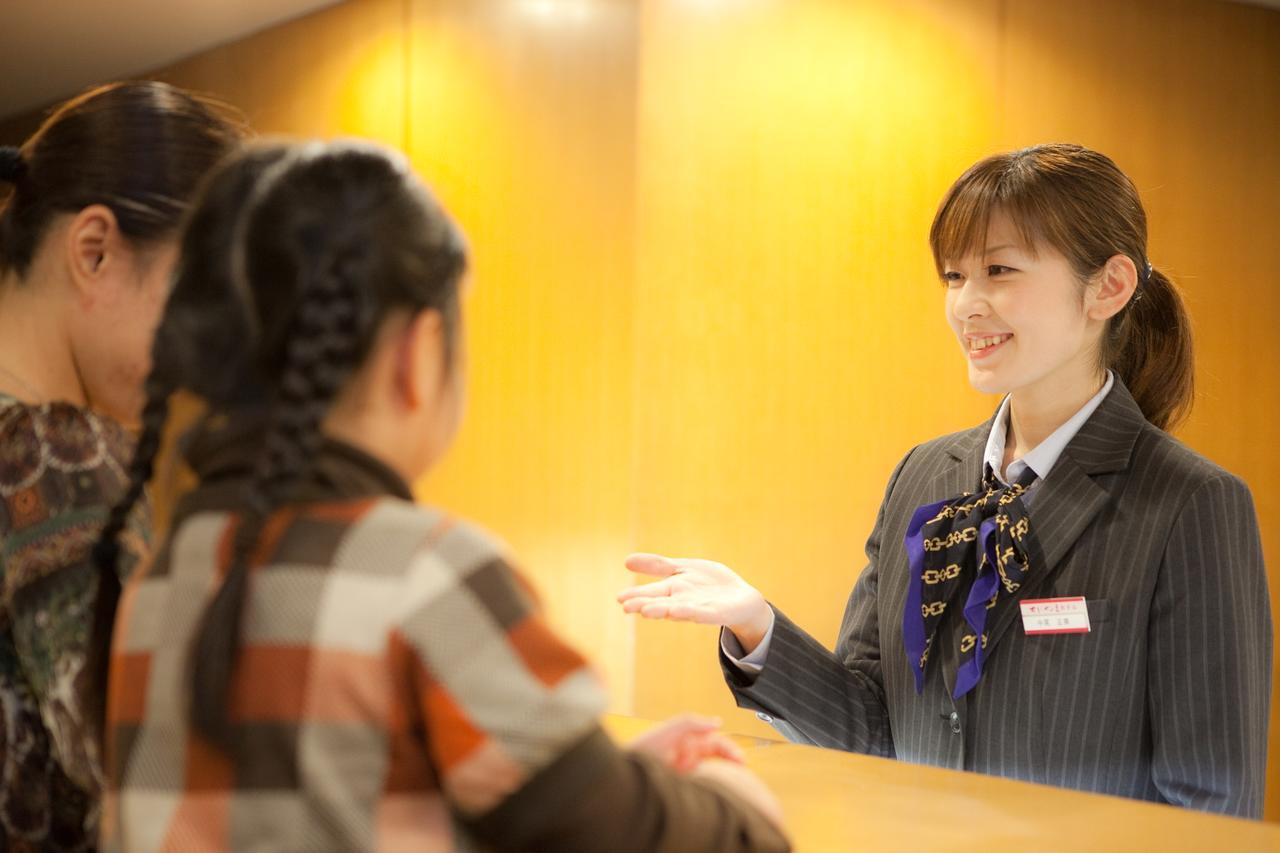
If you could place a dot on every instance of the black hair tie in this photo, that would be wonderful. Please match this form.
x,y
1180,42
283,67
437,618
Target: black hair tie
x,y
1144,280
12,165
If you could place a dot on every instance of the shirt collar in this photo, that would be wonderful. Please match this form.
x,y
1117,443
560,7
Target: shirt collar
x,y
1045,455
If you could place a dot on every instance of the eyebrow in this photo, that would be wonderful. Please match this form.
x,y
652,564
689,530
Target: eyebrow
x,y
990,250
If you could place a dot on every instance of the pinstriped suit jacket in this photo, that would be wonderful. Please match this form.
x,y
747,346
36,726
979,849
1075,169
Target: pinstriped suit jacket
x,y
1166,699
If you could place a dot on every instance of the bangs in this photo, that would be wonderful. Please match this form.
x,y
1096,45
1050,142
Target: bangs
x,y
995,185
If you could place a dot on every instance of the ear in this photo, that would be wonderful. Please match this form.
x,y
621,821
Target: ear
x,y
92,247
1113,287
420,359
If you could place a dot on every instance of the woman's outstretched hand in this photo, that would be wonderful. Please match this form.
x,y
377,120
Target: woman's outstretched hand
x,y
698,591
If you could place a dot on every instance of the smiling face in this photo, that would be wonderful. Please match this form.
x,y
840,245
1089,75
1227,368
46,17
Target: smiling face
x,y
1018,313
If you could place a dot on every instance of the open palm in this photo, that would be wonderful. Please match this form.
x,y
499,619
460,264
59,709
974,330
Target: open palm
x,y
692,591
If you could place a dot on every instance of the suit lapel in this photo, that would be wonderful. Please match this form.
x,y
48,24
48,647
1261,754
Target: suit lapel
x,y
1065,505
1070,498
963,474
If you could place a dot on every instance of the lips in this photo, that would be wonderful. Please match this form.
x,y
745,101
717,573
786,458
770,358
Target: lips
x,y
982,346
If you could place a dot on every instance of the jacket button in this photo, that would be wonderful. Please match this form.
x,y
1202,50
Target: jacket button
x,y
955,723
763,716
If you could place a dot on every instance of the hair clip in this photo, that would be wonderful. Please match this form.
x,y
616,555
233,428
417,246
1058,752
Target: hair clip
x,y
12,165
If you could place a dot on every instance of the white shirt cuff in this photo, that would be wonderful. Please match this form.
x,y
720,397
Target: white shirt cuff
x,y
753,663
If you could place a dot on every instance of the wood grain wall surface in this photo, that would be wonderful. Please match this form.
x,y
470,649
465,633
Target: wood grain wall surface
x,y
703,317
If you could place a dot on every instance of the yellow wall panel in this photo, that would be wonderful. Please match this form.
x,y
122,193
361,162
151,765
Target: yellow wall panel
x,y
525,125
791,342
1185,96
703,317
339,72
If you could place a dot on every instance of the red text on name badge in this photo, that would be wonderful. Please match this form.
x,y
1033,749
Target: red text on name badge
x,y
1055,616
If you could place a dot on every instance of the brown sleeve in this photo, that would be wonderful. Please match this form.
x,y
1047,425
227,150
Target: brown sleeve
x,y
596,796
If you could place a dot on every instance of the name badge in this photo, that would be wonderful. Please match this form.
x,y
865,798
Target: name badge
x,y
1055,616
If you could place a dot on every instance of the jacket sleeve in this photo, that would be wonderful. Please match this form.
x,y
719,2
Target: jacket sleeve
x,y
813,696
1209,664
509,720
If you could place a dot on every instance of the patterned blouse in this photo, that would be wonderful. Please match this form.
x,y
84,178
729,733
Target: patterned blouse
x,y
61,468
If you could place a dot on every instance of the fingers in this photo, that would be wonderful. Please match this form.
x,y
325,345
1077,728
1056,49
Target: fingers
x,y
720,746
684,742
638,604
678,729
681,611
672,609
651,564
642,602
656,589
667,598
668,740
697,748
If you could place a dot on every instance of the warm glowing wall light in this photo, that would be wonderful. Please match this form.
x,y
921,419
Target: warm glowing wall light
x,y
557,10
719,6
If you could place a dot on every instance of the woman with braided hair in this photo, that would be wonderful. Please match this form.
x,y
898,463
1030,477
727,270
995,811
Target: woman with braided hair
x,y
88,233
1064,594
312,661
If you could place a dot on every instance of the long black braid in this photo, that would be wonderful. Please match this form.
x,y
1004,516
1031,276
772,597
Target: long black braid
x,y
320,353
203,300
290,262
106,553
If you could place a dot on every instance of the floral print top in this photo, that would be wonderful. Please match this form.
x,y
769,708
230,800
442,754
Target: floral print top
x,y
61,469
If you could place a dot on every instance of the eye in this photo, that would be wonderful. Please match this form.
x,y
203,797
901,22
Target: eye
x,y
952,279
996,269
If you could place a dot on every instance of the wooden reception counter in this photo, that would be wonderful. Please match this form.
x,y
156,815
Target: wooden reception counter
x,y
837,801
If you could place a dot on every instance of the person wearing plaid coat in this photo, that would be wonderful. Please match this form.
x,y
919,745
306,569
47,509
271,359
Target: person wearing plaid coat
x,y
311,661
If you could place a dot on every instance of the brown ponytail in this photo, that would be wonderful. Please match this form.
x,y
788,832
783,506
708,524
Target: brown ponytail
x,y
1149,346
1080,203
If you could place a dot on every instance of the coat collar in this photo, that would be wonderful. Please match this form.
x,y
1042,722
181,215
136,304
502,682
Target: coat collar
x,y
1068,499
1102,446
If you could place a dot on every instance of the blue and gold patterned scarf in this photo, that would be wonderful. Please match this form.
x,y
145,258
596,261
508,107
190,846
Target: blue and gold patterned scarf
x,y
976,542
